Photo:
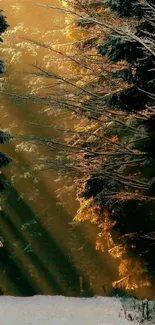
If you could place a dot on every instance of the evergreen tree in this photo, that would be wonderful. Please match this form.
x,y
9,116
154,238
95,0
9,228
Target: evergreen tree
x,y
118,195
3,27
113,153
126,8
140,72
4,136
133,217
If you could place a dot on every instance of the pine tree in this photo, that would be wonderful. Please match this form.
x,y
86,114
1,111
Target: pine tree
x,y
3,27
113,153
4,136
126,8
140,72
119,195
134,217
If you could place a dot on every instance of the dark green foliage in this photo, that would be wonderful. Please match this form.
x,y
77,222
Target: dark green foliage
x,y
150,148
93,186
130,99
145,27
2,66
3,214
3,183
144,78
151,190
4,136
150,125
3,23
118,49
3,27
4,159
126,8
133,216
148,144
137,97
125,74
97,184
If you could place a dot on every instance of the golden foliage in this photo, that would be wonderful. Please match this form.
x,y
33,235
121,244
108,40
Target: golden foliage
x,y
117,251
99,244
134,274
87,212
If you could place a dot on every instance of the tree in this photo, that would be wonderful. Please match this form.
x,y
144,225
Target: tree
x,y
111,148
4,136
117,158
3,27
123,190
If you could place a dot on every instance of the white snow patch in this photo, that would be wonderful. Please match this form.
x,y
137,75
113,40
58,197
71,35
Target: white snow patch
x,y
59,310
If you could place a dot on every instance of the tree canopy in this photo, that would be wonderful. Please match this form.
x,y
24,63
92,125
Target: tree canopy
x,y
110,151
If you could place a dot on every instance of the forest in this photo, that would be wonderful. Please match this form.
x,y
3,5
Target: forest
x,y
109,151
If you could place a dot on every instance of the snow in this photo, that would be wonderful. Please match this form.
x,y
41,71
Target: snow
x,y
59,310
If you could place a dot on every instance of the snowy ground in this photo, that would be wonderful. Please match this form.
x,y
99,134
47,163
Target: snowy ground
x,y
58,310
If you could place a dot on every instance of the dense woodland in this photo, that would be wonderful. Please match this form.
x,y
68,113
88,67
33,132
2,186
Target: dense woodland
x,y
117,190
112,148
110,151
